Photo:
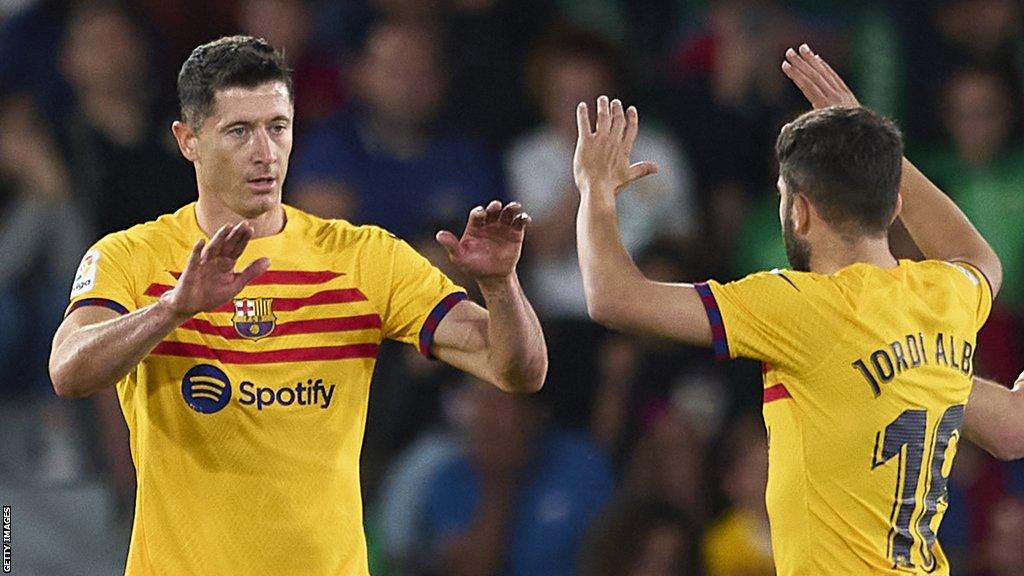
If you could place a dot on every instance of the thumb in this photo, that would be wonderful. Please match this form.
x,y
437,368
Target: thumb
x,y
252,271
641,169
449,241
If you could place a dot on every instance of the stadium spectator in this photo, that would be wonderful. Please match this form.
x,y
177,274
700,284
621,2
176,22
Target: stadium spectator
x,y
738,543
948,36
382,159
519,498
982,166
403,494
41,230
319,90
569,66
725,78
669,464
641,538
124,164
1003,549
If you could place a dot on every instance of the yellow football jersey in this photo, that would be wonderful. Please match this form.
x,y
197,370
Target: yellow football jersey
x,y
866,373
246,422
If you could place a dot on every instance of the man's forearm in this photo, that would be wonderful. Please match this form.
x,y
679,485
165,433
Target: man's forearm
x,y
608,270
940,229
517,353
96,356
994,419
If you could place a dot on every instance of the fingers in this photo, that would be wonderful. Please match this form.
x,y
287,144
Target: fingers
x,y
236,240
632,126
213,247
520,221
583,120
803,81
604,116
252,271
195,256
618,126
509,212
835,79
477,216
641,169
818,65
449,241
493,211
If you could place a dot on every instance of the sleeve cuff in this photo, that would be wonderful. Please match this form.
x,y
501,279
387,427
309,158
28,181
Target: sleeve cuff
x,y
96,302
718,340
434,318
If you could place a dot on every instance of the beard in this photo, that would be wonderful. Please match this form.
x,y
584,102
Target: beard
x,y
798,251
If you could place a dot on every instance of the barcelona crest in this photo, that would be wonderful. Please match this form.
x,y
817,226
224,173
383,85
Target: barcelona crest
x,y
254,317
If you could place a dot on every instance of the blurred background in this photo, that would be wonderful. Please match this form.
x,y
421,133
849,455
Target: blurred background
x,y
639,458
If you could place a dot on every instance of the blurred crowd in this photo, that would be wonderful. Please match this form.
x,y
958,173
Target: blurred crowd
x,y
639,458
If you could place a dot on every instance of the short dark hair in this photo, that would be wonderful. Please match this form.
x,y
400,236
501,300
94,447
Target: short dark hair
x,y
567,41
228,62
847,162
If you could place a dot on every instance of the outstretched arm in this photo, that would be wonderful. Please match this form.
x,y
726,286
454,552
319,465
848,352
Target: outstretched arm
x,y
938,227
94,347
994,418
502,344
618,295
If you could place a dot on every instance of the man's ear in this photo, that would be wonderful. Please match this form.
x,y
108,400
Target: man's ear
x,y
186,139
899,208
801,214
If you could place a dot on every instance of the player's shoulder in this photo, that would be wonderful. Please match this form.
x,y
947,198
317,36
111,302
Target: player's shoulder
x,y
165,233
335,234
933,273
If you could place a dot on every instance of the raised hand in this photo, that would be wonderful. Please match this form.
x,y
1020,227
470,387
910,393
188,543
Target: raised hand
x,y
209,279
817,80
492,242
601,161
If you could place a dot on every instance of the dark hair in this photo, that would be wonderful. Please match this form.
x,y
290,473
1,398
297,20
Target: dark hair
x,y
567,41
617,539
847,162
228,62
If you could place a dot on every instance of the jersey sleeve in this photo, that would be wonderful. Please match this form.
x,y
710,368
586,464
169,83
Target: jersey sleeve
x,y
764,316
977,291
419,296
104,279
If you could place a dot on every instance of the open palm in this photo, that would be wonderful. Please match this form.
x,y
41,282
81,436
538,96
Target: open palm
x,y
492,242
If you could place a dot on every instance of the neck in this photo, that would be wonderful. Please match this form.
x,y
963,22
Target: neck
x,y
211,215
835,253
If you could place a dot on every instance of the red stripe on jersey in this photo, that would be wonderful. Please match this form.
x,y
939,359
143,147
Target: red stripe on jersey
x,y
777,392
288,277
317,326
339,296
345,351
157,290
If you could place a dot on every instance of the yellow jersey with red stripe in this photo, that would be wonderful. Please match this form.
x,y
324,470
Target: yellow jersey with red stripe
x,y
866,374
246,422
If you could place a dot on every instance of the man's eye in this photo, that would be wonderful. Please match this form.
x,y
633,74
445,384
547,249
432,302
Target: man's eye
x,y
237,131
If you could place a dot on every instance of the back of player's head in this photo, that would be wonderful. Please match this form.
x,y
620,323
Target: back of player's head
x,y
847,162
229,62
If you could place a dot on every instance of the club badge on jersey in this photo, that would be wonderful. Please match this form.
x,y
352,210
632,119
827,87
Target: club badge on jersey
x,y
254,317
